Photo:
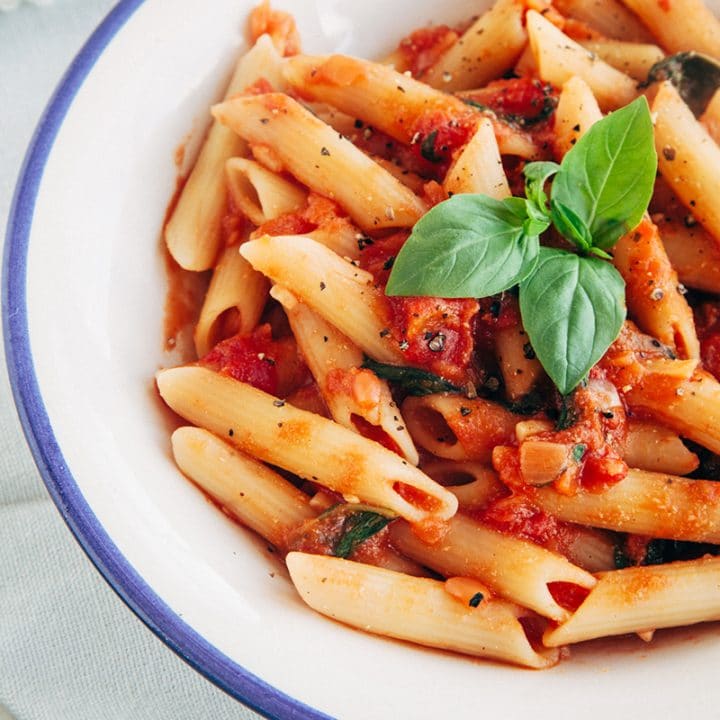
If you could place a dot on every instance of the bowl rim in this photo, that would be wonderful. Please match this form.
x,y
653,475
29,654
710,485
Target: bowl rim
x,y
118,572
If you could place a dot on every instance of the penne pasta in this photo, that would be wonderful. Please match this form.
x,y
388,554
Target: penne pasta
x,y
680,25
610,17
488,48
516,569
644,598
193,232
519,366
356,397
633,59
234,301
711,117
321,159
655,448
478,168
644,503
258,497
336,289
558,58
688,158
419,610
308,445
473,484
576,112
456,428
260,194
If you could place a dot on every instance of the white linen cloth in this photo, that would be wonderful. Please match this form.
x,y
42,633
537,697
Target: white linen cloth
x,y
69,648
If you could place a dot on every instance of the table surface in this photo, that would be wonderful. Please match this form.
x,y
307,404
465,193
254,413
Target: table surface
x,y
69,648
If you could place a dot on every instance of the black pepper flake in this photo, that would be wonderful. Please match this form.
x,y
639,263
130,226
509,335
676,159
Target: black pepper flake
x,y
279,403
269,361
325,338
264,121
384,332
528,351
279,424
399,428
358,123
668,153
476,599
324,151
465,411
231,432
607,414
576,128
389,263
401,88
322,285
363,241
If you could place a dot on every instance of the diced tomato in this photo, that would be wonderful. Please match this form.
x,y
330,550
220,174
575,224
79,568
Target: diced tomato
x,y
319,211
517,516
267,364
568,595
524,97
377,256
435,333
422,48
437,135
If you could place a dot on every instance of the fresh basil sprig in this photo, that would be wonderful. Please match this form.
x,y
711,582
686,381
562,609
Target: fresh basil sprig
x,y
413,381
572,305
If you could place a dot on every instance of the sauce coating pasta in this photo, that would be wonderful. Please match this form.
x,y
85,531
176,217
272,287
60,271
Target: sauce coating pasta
x,y
426,448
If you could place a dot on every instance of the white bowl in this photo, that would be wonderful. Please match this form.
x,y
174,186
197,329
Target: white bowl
x,y
83,305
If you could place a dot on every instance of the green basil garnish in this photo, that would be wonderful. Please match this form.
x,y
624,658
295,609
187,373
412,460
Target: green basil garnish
x,y
572,305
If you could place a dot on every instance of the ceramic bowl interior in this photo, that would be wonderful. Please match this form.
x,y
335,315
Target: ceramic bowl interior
x,y
84,293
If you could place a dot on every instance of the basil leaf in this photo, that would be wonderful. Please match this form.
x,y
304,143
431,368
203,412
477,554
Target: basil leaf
x,y
573,308
536,175
607,178
570,226
427,148
696,77
467,246
357,528
412,380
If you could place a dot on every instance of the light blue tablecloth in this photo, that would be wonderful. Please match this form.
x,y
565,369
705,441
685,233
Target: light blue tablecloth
x,y
69,648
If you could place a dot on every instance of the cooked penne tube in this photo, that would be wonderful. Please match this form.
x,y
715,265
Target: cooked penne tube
x,y
251,492
692,251
656,448
456,428
519,366
711,117
308,445
234,301
478,168
692,410
644,503
558,58
591,549
336,289
261,194
356,397
517,569
419,610
576,112
610,17
681,24
639,599
655,299
387,100
193,232
647,446
488,48
633,59
322,159
688,158
473,484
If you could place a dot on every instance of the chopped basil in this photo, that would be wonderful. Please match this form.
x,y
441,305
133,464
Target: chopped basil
x,y
357,528
476,599
412,380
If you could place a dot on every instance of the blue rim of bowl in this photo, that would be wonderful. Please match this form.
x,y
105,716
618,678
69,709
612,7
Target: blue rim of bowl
x,y
76,512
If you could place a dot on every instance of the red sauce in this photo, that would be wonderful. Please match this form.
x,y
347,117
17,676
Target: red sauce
x,y
568,595
707,322
438,134
273,366
422,48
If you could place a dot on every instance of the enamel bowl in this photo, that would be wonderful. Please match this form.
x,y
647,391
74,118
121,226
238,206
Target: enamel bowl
x,y
84,290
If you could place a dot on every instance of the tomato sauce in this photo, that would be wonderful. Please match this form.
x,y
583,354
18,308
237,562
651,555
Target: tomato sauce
x,y
423,48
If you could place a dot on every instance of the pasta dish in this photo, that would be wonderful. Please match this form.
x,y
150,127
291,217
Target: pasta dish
x,y
458,356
